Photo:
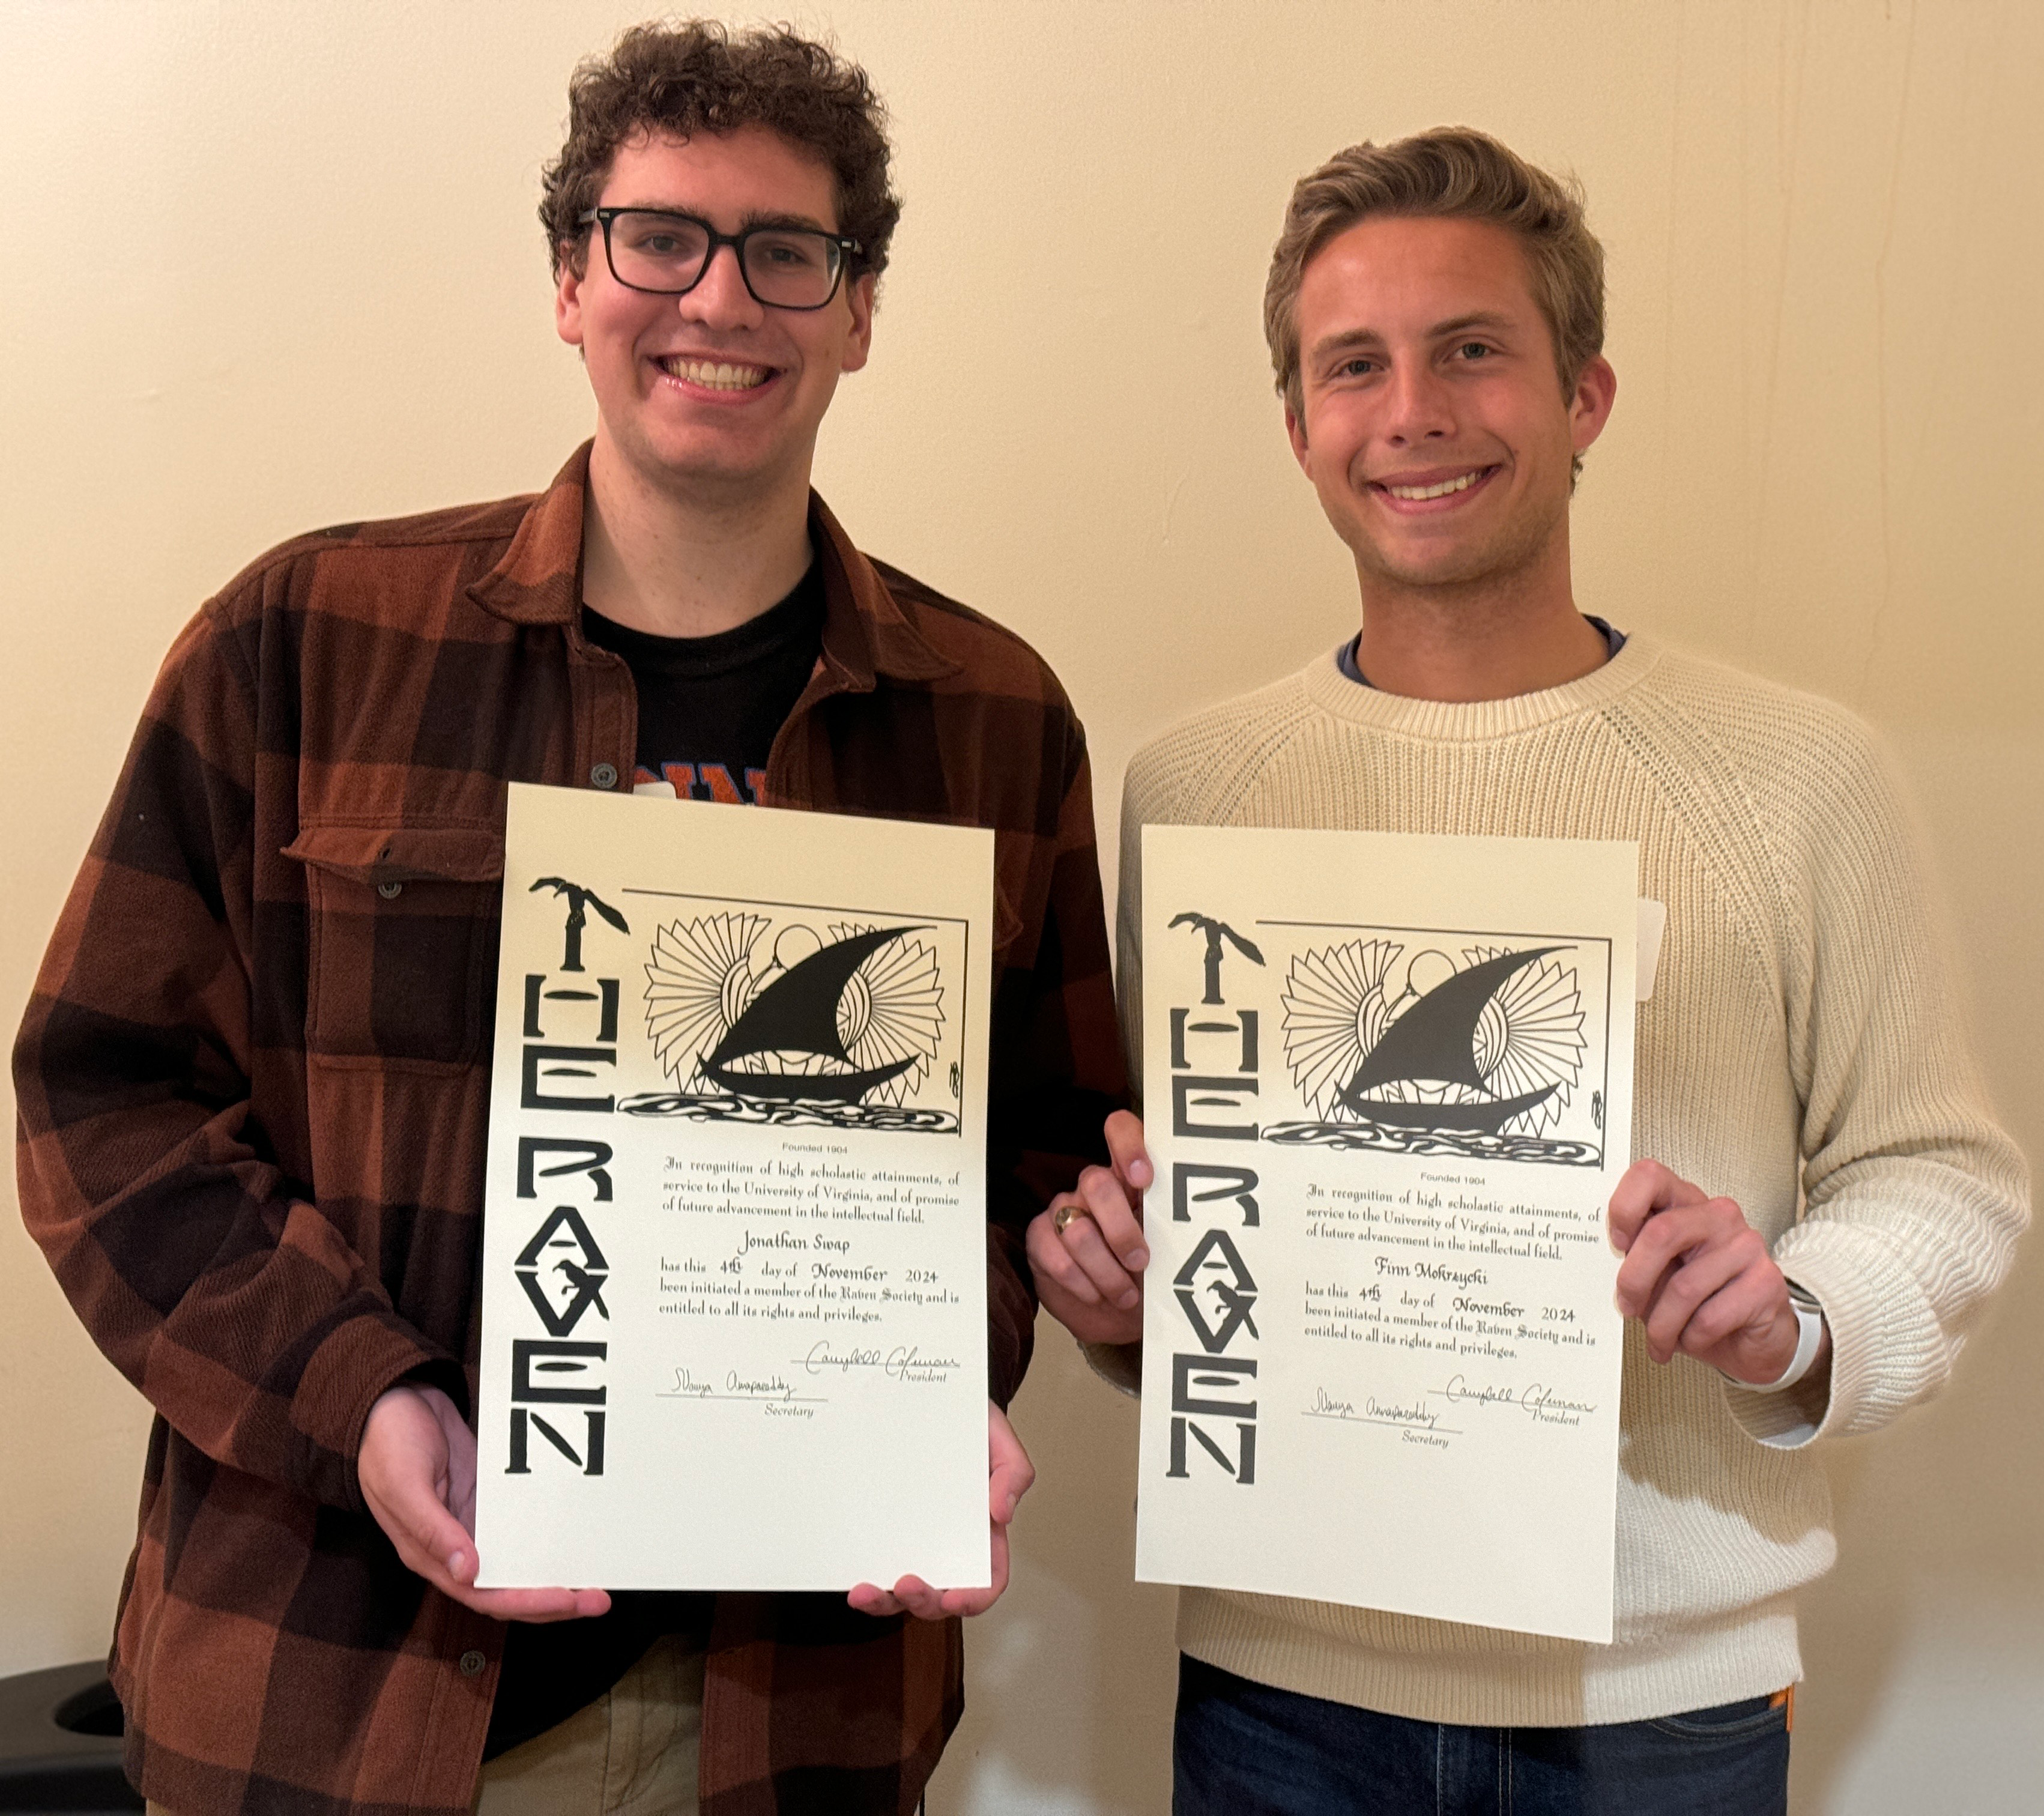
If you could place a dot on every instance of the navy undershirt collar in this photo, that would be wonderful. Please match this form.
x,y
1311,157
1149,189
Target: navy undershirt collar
x,y
1346,655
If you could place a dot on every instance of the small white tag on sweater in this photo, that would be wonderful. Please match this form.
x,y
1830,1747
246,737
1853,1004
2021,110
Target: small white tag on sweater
x,y
1653,924
664,790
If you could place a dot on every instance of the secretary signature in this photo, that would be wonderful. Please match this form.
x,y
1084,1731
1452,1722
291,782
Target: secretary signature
x,y
775,1391
1411,1417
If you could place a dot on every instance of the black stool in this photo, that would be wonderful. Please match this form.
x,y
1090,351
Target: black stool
x,y
61,1743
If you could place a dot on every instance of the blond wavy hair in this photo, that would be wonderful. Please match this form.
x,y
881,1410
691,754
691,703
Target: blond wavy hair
x,y
1457,173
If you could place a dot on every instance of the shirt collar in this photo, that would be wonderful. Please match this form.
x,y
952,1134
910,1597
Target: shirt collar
x,y
865,633
1345,657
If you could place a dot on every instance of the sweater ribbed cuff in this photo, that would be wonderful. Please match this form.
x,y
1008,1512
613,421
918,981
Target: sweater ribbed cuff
x,y
1888,1348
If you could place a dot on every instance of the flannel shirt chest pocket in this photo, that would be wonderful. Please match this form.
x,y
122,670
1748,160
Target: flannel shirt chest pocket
x,y
401,934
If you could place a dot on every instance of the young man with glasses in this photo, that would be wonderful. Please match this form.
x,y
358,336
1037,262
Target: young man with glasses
x,y
1828,1197
253,1078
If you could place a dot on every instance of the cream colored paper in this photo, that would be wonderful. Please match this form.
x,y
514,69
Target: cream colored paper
x,y
734,1329
1381,1356
1653,926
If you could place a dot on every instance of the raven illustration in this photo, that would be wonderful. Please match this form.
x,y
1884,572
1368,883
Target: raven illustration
x,y
588,1285
1237,1305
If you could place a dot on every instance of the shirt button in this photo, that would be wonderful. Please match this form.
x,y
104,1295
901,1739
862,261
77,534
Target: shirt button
x,y
472,1663
390,891
604,776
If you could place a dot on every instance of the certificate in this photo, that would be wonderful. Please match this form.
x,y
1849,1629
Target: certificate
x,y
1388,1087
734,1322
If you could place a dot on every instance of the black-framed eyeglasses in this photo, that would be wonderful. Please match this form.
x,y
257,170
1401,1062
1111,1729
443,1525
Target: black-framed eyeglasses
x,y
666,254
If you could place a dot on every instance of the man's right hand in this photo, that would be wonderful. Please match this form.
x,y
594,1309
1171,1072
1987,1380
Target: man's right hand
x,y
1090,1276
417,1471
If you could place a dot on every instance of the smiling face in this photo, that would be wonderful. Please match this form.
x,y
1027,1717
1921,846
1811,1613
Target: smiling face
x,y
1434,427
713,391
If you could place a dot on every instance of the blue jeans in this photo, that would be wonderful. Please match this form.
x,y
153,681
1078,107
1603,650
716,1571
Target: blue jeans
x,y
1244,1749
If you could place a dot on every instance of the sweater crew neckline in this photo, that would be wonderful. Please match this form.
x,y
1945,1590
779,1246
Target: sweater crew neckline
x,y
1455,720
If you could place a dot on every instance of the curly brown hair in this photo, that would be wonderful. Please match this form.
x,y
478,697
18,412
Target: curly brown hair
x,y
701,77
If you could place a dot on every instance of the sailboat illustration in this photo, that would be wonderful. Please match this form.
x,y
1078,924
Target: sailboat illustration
x,y
1415,1051
756,1017
797,1014
1435,1042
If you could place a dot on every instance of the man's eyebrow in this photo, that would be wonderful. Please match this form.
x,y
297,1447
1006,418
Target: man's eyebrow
x,y
1461,325
769,217
1341,342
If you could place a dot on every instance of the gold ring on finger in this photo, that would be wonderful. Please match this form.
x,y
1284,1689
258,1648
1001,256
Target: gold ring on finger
x,y
1062,1218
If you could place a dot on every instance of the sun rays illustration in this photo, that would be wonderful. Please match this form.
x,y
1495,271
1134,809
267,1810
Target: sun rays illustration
x,y
1334,1012
697,983
1530,1035
893,1010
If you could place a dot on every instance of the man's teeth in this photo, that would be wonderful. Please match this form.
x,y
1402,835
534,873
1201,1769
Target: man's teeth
x,y
718,375
1439,491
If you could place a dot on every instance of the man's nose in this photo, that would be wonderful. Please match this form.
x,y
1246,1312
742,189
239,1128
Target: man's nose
x,y
1420,406
720,298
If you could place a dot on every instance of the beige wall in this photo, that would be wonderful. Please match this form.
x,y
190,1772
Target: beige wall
x,y
274,265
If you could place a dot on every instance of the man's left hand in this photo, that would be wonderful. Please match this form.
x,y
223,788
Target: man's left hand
x,y
1008,1473
1699,1278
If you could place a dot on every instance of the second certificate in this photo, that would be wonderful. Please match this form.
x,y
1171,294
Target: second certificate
x,y
1388,1085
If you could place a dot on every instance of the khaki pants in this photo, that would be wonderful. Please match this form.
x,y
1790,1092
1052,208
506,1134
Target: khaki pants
x,y
631,1753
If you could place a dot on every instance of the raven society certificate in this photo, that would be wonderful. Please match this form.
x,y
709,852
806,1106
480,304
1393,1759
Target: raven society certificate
x,y
734,1323
1388,1088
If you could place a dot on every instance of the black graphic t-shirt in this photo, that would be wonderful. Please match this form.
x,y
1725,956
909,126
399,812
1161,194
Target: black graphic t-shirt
x,y
709,709
709,706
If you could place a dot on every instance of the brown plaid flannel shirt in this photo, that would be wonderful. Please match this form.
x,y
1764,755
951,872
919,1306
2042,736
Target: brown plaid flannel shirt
x,y
253,1083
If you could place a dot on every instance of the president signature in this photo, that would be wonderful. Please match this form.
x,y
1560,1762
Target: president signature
x,y
1538,1402
905,1362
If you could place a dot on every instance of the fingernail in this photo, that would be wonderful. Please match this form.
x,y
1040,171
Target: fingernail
x,y
1008,1509
1127,1299
1139,1257
1139,1172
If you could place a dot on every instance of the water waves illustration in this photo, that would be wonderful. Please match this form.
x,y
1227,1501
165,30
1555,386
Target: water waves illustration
x,y
1351,1137
891,1118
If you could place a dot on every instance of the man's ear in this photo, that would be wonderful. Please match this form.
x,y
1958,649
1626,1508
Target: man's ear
x,y
1589,408
1295,432
858,297
567,299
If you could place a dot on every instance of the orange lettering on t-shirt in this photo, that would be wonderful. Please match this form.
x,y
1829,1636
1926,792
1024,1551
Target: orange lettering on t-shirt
x,y
717,778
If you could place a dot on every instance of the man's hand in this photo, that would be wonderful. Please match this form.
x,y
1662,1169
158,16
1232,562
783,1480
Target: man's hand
x,y
1699,1279
1008,1473
417,1471
1090,1276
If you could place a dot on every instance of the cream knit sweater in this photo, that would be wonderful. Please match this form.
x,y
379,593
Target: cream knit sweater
x,y
1802,1043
